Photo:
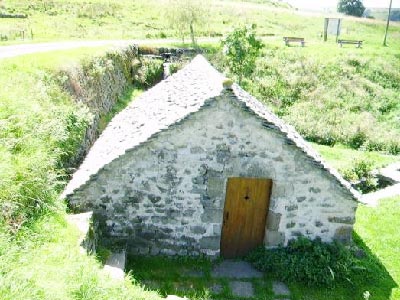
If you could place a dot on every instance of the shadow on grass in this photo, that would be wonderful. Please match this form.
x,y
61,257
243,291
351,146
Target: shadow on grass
x,y
182,276
372,275
191,277
369,277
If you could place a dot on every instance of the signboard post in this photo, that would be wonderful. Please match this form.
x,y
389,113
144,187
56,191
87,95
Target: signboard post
x,y
332,27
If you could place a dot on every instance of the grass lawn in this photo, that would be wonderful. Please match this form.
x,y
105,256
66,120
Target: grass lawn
x,y
341,157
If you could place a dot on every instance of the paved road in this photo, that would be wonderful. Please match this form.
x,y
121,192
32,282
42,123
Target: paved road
x,y
16,50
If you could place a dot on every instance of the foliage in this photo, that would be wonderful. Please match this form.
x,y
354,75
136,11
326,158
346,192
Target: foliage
x,y
241,49
351,7
306,261
149,73
360,174
184,15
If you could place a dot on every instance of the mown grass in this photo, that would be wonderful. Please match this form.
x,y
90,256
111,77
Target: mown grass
x,y
341,157
40,128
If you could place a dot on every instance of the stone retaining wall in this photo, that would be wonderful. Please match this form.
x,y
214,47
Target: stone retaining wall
x,y
99,83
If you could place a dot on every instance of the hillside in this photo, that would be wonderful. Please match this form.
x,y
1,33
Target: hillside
x,y
105,19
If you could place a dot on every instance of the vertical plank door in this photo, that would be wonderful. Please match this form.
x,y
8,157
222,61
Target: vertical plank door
x,y
245,215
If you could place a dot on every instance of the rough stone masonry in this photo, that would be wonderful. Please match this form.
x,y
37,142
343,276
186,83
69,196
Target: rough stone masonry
x,y
165,192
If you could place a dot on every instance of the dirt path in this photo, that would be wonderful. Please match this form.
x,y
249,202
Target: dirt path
x,y
22,49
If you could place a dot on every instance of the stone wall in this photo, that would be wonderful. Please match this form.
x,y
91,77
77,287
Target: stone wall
x,y
167,195
100,82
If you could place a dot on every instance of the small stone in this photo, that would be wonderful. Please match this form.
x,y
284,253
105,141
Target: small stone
x,y
216,288
318,224
314,190
343,234
344,220
273,221
300,199
280,289
210,242
275,238
242,289
292,207
235,269
290,225
197,229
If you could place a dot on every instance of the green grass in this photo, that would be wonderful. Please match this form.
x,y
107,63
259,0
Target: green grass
x,y
44,261
341,157
40,127
127,19
181,276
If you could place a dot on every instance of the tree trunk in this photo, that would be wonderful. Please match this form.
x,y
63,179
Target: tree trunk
x,y
192,34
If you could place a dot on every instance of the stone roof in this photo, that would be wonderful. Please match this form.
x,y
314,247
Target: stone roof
x,y
169,102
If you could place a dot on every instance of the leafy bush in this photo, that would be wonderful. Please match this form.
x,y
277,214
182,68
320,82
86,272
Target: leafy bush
x,y
241,49
360,174
303,260
149,73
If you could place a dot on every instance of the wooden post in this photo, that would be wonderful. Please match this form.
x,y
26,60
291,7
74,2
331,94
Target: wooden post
x,y
387,24
338,29
326,29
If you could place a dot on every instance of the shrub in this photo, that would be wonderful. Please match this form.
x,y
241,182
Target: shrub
x,y
150,72
241,49
361,175
306,261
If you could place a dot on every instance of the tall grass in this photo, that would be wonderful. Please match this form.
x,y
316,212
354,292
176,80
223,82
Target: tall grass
x,y
40,127
40,130
340,96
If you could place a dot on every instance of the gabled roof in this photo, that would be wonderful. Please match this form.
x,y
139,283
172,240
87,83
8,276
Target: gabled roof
x,y
169,102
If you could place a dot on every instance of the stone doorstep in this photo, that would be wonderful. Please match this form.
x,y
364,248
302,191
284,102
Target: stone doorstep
x,y
242,289
115,265
235,269
280,289
82,222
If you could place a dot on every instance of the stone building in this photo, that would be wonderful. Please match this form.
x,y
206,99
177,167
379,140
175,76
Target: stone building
x,y
190,167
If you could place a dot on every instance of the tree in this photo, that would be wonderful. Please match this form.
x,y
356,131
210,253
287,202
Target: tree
x,y
184,15
241,49
351,7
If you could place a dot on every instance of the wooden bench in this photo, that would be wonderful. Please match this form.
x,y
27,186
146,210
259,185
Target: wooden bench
x,y
350,42
289,39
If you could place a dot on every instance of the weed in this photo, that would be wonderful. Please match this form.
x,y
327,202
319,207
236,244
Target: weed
x,y
306,261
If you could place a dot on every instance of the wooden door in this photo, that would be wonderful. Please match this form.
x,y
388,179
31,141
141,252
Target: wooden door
x,y
245,215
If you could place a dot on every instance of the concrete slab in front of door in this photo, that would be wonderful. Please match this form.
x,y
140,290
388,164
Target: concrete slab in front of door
x,y
235,269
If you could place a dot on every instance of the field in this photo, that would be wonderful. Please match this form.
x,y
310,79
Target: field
x,y
344,100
